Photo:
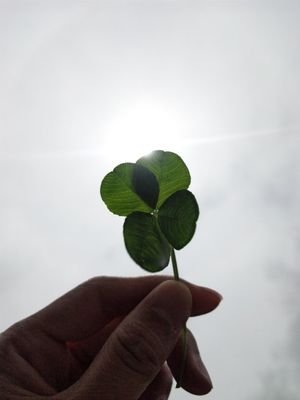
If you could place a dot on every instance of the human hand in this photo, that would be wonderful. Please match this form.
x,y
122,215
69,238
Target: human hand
x,y
109,339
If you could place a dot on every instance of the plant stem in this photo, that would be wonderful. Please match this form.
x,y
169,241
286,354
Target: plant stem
x,y
184,331
184,353
174,264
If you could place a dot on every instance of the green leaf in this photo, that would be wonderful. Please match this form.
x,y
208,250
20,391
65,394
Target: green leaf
x,y
177,218
145,243
171,172
145,185
119,190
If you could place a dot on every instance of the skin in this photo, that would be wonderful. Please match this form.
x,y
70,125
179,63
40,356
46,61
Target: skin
x,y
107,339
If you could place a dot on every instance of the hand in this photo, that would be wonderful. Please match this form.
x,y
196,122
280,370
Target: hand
x,y
109,339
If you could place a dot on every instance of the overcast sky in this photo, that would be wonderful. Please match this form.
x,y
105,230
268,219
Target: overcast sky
x,y
86,85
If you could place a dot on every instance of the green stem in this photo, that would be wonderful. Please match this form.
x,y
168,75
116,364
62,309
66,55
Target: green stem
x,y
184,353
184,331
174,264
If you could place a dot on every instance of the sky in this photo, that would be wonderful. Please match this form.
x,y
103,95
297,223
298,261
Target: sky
x,y
86,85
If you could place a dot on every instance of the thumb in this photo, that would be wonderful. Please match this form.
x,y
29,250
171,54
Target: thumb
x,y
135,352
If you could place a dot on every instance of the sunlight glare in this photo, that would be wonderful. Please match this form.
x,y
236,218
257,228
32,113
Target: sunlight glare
x,y
141,128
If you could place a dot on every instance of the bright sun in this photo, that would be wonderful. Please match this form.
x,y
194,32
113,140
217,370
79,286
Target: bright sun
x,y
141,128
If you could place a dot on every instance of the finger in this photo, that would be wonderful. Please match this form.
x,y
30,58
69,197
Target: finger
x,y
135,352
205,299
86,309
84,351
160,387
195,378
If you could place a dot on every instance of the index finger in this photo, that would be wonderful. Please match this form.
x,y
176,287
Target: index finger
x,y
84,310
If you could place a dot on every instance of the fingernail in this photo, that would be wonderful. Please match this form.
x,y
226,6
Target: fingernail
x,y
214,299
215,294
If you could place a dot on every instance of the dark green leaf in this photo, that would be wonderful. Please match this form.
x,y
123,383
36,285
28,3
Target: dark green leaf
x,y
171,172
145,185
177,218
118,191
145,243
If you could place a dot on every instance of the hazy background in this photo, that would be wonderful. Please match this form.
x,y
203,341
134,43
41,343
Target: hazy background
x,y
85,85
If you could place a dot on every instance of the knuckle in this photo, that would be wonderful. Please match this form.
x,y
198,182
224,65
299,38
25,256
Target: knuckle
x,y
96,281
95,286
138,349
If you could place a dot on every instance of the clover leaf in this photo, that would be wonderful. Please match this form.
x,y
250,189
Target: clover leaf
x,y
161,213
177,218
171,172
123,193
145,243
